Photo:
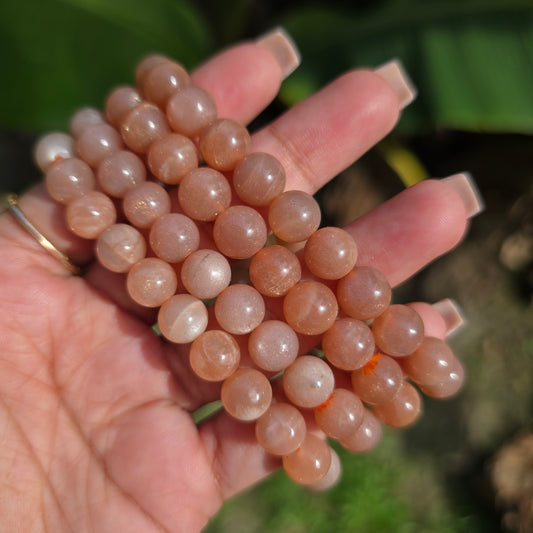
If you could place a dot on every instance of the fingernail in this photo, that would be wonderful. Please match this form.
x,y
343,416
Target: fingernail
x,y
280,44
466,187
396,76
452,314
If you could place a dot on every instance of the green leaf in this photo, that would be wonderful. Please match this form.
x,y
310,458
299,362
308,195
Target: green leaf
x,y
64,54
472,60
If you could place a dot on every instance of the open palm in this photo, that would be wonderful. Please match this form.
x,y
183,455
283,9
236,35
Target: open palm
x,y
95,429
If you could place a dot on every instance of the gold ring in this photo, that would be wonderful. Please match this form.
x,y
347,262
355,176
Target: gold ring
x,y
14,209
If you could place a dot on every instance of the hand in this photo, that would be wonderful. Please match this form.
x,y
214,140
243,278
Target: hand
x,y
95,429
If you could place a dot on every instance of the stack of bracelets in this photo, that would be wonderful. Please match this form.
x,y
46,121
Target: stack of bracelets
x,y
173,198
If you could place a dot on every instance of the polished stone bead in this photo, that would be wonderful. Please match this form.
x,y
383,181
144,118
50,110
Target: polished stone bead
x,y
330,253
119,103
145,203
190,111
83,119
172,157
258,179
274,270
205,273
182,318
310,308
89,215
142,126
119,247
204,193
151,282
294,216
120,172
173,237
224,143
52,148
239,232
98,142
239,309
68,179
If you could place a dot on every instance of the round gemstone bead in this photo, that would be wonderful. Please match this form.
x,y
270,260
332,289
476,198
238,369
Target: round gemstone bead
x,y
258,179
366,437
98,142
182,318
52,148
151,282
398,331
224,143
142,126
274,270
308,381
119,103
145,203
246,394
172,157
378,381
214,355
332,475
239,232
89,215
204,193
68,179
119,247
162,80
348,344
364,293
310,462
83,119
205,273
281,430
273,345
402,410
340,415
330,253
173,237
120,172
430,363
239,309
310,308
191,110
146,64
294,216
449,385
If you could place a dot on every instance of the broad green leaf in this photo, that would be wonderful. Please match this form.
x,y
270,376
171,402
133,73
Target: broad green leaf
x,y
59,55
472,60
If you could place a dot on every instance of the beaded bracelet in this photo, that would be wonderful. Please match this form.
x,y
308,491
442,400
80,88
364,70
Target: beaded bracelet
x,y
185,175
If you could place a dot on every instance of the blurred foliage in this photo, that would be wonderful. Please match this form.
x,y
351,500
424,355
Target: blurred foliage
x,y
59,55
373,496
472,60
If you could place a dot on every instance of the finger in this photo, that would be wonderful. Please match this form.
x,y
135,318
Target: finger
x,y
243,81
404,234
246,78
325,133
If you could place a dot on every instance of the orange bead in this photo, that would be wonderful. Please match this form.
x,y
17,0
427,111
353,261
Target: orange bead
x,y
246,394
330,253
310,308
224,143
310,462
